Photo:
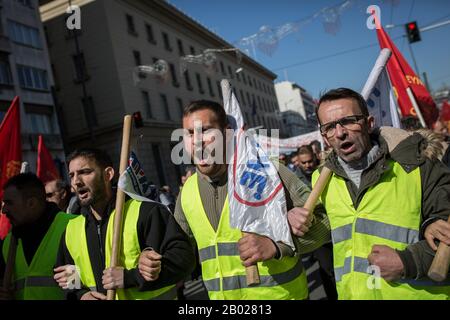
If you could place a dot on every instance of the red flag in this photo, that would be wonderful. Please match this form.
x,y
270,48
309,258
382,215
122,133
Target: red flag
x,y
10,154
46,169
445,111
402,76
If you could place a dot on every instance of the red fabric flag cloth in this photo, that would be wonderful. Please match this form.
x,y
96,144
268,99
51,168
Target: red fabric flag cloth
x,y
445,111
402,76
46,169
10,154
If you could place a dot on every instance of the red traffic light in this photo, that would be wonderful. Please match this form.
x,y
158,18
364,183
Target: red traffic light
x,y
412,32
137,117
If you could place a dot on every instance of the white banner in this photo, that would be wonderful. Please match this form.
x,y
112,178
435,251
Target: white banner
x,y
255,192
274,146
379,94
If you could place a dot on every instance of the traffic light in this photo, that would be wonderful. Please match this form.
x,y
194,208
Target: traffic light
x,y
137,118
412,31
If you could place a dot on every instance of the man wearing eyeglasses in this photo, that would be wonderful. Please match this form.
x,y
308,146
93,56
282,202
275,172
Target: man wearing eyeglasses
x,y
380,199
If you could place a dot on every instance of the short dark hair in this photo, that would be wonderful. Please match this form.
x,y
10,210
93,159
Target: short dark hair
x,y
410,123
343,93
307,149
101,158
213,106
317,144
62,185
28,184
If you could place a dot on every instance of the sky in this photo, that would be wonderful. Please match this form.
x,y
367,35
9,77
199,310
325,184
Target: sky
x,y
318,60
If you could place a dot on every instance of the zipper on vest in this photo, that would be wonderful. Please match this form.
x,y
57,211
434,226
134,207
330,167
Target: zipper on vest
x,y
99,235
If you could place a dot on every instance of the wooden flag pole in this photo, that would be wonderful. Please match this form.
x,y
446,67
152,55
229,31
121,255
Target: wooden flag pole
x,y
252,274
321,183
441,262
120,199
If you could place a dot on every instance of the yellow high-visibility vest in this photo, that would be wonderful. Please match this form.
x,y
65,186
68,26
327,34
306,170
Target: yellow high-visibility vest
x,y
388,214
128,258
223,274
35,281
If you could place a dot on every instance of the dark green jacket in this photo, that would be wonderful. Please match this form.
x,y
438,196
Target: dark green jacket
x,y
435,179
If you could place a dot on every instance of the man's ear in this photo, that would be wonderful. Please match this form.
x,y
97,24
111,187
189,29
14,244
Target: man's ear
x,y
325,139
370,123
64,193
109,173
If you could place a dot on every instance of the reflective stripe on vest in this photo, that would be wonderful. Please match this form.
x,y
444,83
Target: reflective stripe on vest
x,y
222,270
35,281
378,229
388,214
129,253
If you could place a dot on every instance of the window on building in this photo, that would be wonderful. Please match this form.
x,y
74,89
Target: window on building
x,y
238,77
250,81
180,47
165,106
219,89
5,71
248,98
243,78
150,34
199,83
166,41
80,67
41,123
187,79
242,97
180,107
130,25
137,58
32,78
210,87
173,73
230,72
222,68
89,112
28,3
192,49
147,105
22,34
159,164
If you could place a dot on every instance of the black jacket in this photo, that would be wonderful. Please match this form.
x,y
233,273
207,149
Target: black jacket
x,y
435,180
156,228
32,235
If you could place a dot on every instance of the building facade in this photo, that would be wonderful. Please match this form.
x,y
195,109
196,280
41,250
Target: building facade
x,y
94,66
25,71
297,108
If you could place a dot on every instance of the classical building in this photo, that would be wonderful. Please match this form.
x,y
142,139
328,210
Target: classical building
x,y
25,71
96,86
297,108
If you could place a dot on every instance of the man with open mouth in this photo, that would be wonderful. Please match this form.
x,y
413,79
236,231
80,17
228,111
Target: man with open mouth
x,y
383,194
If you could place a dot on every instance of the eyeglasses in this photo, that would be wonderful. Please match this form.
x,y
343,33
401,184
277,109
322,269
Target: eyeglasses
x,y
350,123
